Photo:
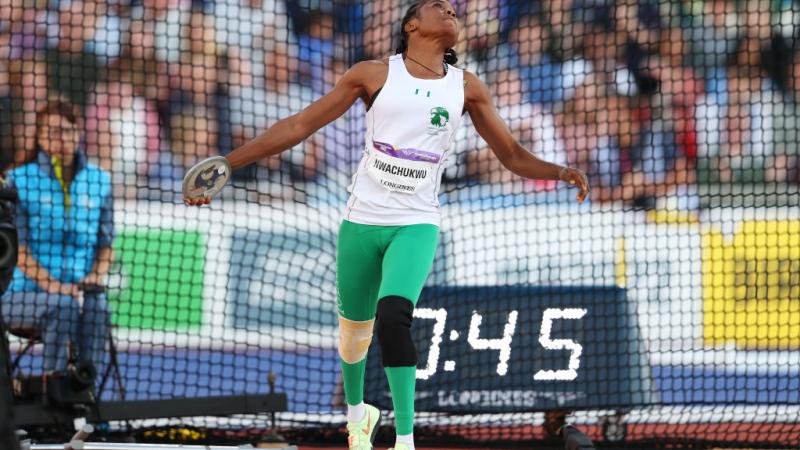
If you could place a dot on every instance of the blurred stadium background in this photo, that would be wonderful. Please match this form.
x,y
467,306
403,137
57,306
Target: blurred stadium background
x,y
685,263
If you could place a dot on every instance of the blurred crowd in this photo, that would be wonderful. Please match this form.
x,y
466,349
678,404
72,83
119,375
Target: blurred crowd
x,y
649,97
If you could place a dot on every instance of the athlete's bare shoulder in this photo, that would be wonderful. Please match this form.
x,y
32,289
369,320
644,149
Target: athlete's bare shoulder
x,y
470,78
369,76
474,88
369,69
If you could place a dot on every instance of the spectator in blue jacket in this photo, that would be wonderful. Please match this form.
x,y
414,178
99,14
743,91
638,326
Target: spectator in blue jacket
x,y
64,221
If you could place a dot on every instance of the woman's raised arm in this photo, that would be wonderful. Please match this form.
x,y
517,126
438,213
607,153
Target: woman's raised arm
x,y
288,132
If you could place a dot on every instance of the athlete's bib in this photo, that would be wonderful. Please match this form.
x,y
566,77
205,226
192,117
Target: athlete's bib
x,y
403,170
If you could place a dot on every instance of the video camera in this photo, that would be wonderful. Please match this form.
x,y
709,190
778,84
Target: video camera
x,y
8,234
73,387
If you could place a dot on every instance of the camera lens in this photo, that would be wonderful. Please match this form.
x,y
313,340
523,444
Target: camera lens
x,y
82,375
8,249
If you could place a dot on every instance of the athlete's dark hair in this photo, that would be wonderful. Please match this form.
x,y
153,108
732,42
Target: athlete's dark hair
x,y
450,56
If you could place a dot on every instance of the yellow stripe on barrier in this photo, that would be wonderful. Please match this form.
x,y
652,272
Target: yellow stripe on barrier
x,y
672,217
620,268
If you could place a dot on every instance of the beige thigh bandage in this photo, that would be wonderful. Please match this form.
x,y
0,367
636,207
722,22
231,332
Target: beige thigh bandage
x,y
354,339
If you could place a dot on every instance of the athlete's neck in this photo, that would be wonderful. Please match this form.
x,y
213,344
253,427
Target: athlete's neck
x,y
432,58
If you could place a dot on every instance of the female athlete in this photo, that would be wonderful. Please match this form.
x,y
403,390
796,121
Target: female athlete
x,y
389,232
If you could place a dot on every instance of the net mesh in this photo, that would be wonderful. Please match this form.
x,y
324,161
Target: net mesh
x,y
666,310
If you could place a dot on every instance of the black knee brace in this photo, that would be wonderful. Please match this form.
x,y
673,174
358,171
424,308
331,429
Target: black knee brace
x,y
393,327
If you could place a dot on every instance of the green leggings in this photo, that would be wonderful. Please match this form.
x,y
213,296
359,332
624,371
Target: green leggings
x,y
374,262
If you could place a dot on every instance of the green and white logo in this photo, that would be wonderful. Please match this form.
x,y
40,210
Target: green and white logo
x,y
439,119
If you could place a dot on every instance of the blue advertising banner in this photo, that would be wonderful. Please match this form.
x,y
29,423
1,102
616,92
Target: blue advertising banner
x,y
280,280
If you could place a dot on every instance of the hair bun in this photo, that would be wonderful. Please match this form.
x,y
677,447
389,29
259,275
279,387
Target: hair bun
x,y
450,56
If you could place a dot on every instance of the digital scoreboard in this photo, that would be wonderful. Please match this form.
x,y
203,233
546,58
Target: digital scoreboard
x,y
522,348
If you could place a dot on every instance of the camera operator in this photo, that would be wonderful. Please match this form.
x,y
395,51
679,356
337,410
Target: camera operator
x,y
64,223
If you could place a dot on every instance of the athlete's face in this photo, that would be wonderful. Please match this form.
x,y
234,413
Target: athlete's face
x,y
436,18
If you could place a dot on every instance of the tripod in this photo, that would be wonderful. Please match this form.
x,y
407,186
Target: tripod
x,y
113,363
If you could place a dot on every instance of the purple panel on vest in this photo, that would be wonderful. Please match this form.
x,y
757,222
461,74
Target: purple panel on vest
x,y
406,153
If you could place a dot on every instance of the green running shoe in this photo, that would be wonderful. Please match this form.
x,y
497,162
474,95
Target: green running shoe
x,y
360,435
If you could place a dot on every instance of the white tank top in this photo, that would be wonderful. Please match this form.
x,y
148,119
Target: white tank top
x,y
409,131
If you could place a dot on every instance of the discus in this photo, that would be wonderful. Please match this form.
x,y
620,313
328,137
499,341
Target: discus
x,y
206,178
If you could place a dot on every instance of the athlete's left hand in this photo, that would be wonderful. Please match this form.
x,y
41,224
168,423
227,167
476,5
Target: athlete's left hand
x,y
576,177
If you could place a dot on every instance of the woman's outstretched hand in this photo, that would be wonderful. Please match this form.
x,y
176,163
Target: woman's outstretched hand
x,y
576,177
